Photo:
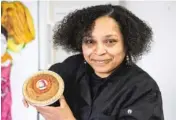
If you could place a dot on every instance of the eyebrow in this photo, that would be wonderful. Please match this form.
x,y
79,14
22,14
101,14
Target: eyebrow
x,y
110,35
106,36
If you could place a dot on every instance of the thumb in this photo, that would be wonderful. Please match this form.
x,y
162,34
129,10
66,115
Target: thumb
x,y
62,101
25,103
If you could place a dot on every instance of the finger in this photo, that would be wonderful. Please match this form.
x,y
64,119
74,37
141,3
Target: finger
x,y
25,103
39,108
45,115
43,108
45,111
63,102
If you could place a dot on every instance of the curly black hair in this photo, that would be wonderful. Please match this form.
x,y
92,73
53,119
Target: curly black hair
x,y
70,32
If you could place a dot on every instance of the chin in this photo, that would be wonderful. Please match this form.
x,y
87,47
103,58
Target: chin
x,y
102,70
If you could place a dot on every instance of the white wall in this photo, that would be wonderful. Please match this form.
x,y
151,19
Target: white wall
x,y
161,62
24,64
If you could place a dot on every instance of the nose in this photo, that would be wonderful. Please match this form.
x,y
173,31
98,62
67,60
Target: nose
x,y
100,49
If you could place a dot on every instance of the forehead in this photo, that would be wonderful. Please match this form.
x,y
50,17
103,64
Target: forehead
x,y
105,26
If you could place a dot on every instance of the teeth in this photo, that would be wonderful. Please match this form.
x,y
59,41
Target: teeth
x,y
101,61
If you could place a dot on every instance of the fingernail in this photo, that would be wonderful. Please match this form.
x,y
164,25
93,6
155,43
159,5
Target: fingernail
x,y
26,105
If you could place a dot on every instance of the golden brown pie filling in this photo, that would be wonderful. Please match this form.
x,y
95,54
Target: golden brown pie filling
x,y
43,88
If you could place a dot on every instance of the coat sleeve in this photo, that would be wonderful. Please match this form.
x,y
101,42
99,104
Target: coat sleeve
x,y
144,102
68,69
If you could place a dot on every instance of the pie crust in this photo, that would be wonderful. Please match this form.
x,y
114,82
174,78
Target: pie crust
x,y
43,88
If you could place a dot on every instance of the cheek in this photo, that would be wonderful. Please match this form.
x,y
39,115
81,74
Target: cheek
x,y
86,51
117,52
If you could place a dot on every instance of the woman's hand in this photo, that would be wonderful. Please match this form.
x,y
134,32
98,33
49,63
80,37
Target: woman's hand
x,y
63,112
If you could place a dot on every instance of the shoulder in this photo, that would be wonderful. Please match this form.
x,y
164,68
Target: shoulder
x,y
143,96
141,86
68,67
142,79
71,62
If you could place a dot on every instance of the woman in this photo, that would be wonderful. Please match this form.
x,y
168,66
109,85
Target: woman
x,y
103,82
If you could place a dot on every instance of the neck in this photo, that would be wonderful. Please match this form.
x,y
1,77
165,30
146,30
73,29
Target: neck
x,y
103,75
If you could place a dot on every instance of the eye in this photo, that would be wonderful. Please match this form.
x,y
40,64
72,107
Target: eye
x,y
110,42
88,42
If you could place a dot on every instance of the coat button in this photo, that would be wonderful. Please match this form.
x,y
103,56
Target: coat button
x,y
129,111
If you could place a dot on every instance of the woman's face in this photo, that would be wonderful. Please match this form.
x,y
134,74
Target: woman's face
x,y
104,49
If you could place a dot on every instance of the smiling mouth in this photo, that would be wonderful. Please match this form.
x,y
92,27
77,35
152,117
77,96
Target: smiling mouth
x,y
101,62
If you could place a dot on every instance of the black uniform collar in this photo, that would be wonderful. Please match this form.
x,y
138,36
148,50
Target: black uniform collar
x,y
117,71
86,71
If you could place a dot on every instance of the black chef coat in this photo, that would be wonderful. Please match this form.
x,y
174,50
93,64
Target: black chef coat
x,y
129,93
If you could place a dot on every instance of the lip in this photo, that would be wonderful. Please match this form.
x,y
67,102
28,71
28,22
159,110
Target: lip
x,y
101,62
